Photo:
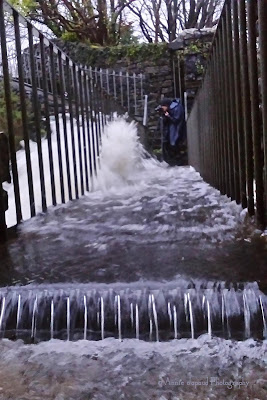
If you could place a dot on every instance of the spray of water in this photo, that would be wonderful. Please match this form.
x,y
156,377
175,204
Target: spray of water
x,y
122,155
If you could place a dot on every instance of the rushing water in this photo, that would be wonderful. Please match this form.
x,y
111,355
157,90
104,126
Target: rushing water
x,y
152,253
145,221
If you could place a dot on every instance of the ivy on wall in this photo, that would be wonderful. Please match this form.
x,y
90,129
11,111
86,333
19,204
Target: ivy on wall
x,y
109,56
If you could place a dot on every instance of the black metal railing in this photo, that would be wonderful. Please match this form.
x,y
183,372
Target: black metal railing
x,y
55,110
227,128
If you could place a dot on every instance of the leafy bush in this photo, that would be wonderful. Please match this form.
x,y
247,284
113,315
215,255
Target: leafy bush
x,y
16,115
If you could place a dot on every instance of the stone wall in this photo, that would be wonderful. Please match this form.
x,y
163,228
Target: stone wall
x,y
193,46
158,63
152,60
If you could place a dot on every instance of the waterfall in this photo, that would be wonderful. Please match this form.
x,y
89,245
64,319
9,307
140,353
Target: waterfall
x,y
62,312
137,321
2,311
191,317
85,317
52,319
102,319
119,317
209,318
18,312
155,317
175,322
33,317
263,318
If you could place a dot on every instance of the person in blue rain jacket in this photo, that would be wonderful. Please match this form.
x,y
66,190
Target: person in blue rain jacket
x,y
172,128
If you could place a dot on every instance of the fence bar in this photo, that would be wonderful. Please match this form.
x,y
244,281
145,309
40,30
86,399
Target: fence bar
x,y
121,88
55,101
82,108
88,118
114,85
233,133
63,113
246,104
128,91
255,111
77,116
141,89
107,76
47,119
92,119
36,109
135,103
145,110
3,227
24,116
69,88
238,107
9,110
225,119
229,103
262,26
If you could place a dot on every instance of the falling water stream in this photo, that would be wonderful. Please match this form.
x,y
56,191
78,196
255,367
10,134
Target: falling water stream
x,y
152,269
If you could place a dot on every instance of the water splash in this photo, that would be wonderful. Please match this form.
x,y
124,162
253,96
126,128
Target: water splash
x,y
121,155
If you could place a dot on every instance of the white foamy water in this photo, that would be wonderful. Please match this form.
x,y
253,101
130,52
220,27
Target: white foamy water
x,y
129,174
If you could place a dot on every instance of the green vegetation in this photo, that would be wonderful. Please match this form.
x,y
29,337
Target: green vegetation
x,y
108,56
17,116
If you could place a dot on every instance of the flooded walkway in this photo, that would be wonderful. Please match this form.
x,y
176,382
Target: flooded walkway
x,y
144,222
144,225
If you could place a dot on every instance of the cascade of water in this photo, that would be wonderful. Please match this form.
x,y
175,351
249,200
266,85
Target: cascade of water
x,y
119,317
185,307
132,315
155,317
115,310
102,318
85,318
223,312
18,312
137,321
262,313
150,317
68,318
36,309
209,319
33,317
98,314
170,313
2,312
52,320
246,315
175,322
203,302
191,317
227,317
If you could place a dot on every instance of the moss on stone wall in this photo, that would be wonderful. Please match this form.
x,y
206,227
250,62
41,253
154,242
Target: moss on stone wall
x,y
198,47
109,56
